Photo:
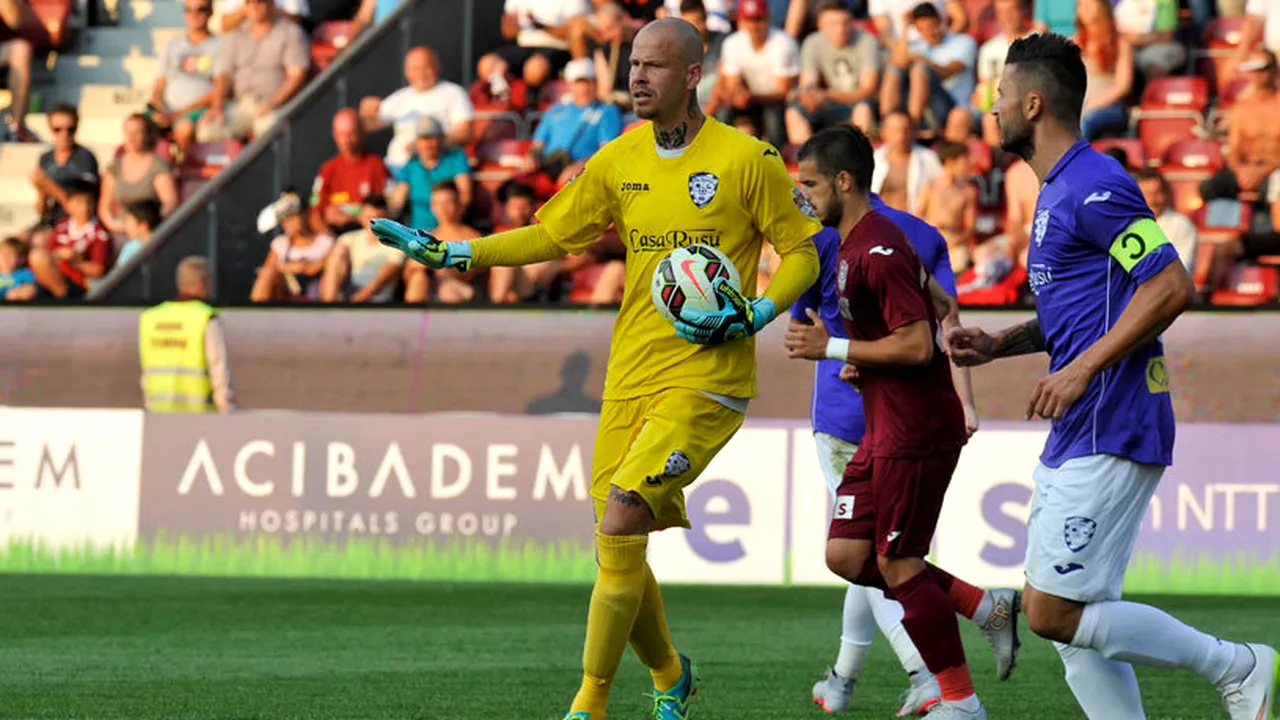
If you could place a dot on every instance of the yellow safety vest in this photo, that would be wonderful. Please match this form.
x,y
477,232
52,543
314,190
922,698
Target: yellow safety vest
x,y
175,373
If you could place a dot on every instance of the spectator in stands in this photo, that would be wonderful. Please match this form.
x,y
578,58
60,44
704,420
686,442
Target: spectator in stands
x,y
451,286
371,13
430,165
296,258
1014,19
184,86
346,179
949,202
639,12
496,86
261,66
902,167
140,222
715,15
1108,60
892,18
77,251
547,35
839,75
1149,26
995,258
1261,26
1177,227
1252,150
611,53
17,282
136,174
572,131
233,13
15,54
694,12
67,161
932,75
759,65
360,268
959,126
518,284
427,95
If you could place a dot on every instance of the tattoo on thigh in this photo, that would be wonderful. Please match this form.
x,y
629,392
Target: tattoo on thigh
x,y
623,497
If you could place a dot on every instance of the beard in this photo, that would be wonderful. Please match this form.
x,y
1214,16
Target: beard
x,y
1017,140
834,213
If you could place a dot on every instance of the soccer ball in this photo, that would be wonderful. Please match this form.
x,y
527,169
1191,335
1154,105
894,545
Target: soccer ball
x,y
684,277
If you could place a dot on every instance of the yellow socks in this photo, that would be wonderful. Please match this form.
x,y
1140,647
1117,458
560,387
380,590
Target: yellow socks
x,y
651,639
620,586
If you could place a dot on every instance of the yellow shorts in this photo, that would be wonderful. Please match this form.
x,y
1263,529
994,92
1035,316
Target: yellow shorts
x,y
656,446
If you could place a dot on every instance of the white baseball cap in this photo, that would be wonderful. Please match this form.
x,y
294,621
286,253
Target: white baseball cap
x,y
580,69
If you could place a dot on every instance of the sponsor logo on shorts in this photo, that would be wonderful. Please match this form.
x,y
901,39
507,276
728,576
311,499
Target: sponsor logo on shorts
x,y
1068,568
844,507
1078,532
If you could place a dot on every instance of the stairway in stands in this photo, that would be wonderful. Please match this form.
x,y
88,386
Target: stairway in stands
x,y
107,72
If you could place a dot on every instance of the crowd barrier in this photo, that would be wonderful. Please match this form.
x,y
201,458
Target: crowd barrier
x,y
464,497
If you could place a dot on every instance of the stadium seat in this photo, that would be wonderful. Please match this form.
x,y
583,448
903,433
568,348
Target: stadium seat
x,y
503,155
1200,216
1185,185
1132,147
502,125
552,93
1172,108
1212,60
1005,292
1248,285
1193,154
328,40
204,160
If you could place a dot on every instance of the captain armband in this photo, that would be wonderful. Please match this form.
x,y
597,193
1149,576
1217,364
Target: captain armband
x,y
1142,238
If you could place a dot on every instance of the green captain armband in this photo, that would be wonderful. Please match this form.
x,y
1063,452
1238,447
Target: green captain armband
x,y
1139,240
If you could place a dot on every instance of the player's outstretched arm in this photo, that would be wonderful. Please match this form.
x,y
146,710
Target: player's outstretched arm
x,y
971,347
522,246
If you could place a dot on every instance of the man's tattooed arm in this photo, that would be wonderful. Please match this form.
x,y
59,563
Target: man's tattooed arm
x,y
619,495
1021,339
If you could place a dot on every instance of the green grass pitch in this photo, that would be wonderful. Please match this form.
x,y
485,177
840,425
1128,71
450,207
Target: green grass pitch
x,y
84,646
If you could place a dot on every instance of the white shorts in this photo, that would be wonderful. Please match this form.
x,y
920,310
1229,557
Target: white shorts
x,y
834,455
1085,517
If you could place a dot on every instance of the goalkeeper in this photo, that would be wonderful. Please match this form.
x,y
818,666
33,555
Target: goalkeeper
x,y
672,399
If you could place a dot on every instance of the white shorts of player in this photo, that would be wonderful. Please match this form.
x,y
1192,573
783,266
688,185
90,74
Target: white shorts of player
x,y
1085,517
834,455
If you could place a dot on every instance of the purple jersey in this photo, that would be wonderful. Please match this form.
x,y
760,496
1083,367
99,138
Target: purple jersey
x,y
836,406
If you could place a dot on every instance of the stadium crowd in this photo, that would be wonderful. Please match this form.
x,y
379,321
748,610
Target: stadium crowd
x,y
1180,95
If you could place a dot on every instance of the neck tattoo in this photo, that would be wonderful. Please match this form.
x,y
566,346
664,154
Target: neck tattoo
x,y
672,139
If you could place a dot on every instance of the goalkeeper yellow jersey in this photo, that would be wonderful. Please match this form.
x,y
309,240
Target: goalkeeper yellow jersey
x,y
727,190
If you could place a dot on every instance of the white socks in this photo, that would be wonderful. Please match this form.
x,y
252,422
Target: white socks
x,y
1141,634
1106,689
889,618
857,630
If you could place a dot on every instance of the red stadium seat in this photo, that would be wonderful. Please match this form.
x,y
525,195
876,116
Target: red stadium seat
x,y
502,125
552,93
204,160
1005,292
328,40
1218,43
1242,222
1248,285
503,155
1193,154
1132,147
1172,108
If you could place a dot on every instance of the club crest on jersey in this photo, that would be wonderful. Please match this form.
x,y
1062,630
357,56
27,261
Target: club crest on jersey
x,y
1040,227
803,203
1078,532
702,188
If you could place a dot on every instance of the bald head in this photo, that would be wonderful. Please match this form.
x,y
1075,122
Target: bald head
x,y
421,68
678,36
346,131
193,277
